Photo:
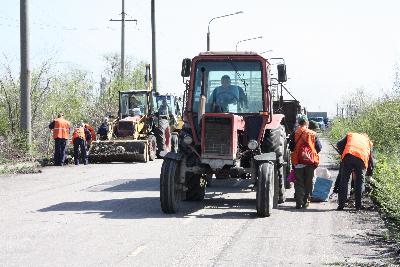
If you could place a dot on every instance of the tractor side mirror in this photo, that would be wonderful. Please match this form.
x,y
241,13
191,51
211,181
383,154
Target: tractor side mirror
x,y
281,73
186,67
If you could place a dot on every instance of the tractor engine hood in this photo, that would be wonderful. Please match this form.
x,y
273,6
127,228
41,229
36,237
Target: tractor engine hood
x,y
219,134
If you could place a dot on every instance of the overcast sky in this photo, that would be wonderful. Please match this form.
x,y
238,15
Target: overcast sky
x,y
330,46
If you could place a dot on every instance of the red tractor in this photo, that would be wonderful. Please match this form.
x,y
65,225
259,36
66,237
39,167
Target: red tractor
x,y
229,130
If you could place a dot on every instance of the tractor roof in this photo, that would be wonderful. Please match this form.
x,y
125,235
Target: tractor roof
x,y
226,53
135,91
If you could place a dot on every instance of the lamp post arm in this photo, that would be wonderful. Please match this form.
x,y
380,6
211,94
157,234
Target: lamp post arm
x,y
245,40
208,27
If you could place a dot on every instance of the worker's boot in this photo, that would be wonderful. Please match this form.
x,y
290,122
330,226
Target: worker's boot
x,y
306,202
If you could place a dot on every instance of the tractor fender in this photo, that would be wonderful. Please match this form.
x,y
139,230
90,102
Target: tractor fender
x,y
276,121
174,156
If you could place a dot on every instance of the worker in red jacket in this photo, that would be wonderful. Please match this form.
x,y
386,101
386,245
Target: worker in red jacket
x,y
60,128
80,136
92,134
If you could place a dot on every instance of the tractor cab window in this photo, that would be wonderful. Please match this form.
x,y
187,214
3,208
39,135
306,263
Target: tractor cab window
x,y
133,104
230,86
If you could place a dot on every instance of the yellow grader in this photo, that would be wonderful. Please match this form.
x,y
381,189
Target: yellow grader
x,y
130,136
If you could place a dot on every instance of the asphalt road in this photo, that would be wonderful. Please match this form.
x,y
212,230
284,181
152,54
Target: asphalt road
x,y
109,215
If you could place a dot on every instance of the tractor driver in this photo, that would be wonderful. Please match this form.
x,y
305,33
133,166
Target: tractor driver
x,y
227,94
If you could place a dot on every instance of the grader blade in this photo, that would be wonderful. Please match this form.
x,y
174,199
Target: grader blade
x,y
119,151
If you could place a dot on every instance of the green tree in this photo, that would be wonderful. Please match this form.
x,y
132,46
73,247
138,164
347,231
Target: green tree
x,y
134,79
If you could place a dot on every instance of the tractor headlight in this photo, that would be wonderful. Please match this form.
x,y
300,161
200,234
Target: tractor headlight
x,y
252,144
187,139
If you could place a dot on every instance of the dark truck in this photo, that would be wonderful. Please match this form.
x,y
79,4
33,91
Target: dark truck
x,y
321,117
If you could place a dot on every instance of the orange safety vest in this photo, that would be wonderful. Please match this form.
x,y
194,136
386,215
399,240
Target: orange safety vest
x,y
301,136
61,128
91,130
359,146
78,133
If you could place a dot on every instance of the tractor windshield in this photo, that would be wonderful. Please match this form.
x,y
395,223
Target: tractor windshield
x,y
133,103
230,86
172,103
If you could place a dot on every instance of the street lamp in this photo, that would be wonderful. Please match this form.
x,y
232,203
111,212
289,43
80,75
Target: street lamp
x,y
245,40
208,30
263,52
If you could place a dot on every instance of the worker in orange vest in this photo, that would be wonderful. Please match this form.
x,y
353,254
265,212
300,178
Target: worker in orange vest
x,y
356,155
305,147
60,127
80,136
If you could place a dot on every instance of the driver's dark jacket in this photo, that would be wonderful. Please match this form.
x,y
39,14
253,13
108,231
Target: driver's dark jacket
x,y
103,131
164,110
223,97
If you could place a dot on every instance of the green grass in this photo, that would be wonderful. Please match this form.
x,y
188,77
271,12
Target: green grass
x,y
19,168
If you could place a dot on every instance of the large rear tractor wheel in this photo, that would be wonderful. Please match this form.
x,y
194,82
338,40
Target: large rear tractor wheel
x,y
170,196
265,190
209,179
174,142
152,147
196,188
162,133
288,168
281,184
275,141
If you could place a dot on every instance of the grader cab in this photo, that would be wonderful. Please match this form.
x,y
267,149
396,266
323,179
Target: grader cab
x,y
229,130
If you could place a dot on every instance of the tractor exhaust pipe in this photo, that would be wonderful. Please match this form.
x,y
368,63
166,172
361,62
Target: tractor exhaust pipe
x,y
202,107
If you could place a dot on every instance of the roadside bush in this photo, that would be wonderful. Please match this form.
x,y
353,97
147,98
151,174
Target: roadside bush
x,y
381,121
387,186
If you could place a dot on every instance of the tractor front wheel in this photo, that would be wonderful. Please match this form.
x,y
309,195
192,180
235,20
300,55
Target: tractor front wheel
x,y
170,195
265,190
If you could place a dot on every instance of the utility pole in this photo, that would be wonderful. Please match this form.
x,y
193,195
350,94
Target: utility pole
x,y
337,109
123,37
153,46
25,75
